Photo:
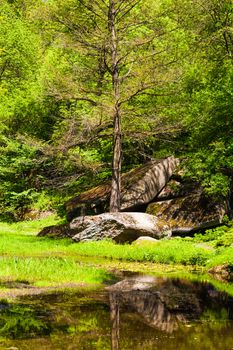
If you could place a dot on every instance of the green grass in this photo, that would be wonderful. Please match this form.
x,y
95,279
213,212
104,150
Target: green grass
x,y
175,251
14,241
28,227
41,261
49,271
20,240
164,251
46,261
221,256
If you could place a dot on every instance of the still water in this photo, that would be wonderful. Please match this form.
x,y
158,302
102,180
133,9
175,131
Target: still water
x,y
139,313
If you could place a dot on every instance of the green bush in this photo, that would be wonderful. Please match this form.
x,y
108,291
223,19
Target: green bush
x,y
226,239
219,236
211,234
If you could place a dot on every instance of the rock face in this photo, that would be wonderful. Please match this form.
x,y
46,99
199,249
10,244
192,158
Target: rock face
x,y
121,227
179,207
149,185
188,213
139,187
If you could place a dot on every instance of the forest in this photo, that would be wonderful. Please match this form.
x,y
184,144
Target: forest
x,y
91,90
171,85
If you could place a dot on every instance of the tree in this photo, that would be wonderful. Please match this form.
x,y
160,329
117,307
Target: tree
x,y
121,60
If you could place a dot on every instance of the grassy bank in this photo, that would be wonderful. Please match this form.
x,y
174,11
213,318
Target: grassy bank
x,y
41,261
44,261
49,271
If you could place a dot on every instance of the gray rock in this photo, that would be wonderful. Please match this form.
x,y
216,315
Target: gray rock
x,y
146,188
145,239
121,227
190,213
139,187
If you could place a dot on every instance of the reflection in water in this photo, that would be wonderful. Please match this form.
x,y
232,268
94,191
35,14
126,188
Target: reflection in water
x,y
145,313
115,320
163,303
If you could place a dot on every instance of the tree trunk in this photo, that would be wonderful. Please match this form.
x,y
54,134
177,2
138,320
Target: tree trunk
x,y
117,147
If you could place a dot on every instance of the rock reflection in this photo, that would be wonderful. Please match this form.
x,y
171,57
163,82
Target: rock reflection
x,y
160,303
147,313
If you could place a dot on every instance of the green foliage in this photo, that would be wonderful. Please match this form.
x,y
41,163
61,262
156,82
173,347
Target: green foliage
x,y
16,166
56,98
33,176
20,322
208,87
19,58
210,165
211,234
226,239
219,236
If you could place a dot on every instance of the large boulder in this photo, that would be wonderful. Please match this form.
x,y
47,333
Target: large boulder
x,y
121,227
139,187
189,213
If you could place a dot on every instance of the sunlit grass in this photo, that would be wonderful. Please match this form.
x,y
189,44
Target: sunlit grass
x,y
221,256
24,244
164,251
46,261
20,240
175,251
41,261
49,271
31,227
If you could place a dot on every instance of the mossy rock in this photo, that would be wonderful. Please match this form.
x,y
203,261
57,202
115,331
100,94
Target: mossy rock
x,y
188,213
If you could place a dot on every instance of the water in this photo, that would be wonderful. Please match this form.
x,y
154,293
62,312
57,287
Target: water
x,y
139,313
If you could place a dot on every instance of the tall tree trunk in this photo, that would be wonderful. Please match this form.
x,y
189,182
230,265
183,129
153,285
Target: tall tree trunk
x,y
117,147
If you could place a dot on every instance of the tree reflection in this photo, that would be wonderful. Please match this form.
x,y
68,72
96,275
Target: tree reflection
x,y
147,313
115,320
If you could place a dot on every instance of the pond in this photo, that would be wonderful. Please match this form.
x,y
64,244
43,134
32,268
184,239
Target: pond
x,y
139,312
